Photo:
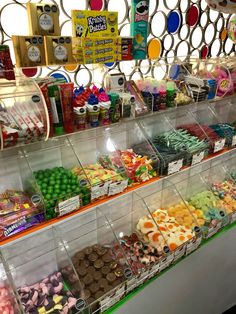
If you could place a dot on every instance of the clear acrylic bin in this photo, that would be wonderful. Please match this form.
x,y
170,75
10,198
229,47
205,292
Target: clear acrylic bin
x,y
202,202
90,147
8,298
197,149
145,259
175,219
138,157
207,120
23,113
20,207
158,130
52,163
224,187
97,258
37,267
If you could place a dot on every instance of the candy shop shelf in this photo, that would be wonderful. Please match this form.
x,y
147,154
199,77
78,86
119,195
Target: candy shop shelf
x,y
147,283
59,220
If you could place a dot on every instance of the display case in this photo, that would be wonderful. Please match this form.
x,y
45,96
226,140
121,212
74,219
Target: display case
x,y
8,298
175,219
39,268
127,143
90,148
23,113
160,133
145,260
98,259
203,204
20,206
207,119
52,164
197,149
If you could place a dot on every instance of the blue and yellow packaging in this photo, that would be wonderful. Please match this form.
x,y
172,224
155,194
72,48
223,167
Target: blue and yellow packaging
x,y
139,28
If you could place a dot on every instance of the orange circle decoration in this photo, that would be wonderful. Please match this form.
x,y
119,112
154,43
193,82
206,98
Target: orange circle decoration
x,y
223,34
70,67
154,48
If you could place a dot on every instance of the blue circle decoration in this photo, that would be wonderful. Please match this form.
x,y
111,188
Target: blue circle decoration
x,y
173,21
59,75
174,71
109,64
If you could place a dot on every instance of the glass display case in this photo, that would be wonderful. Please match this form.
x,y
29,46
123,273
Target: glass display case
x,y
139,158
208,121
97,258
196,149
20,206
40,268
23,113
52,164
203,204
160,133
8,298
146,259
92,148
176,220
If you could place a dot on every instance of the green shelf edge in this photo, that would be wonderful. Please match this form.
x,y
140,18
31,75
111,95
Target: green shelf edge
x,y
142,287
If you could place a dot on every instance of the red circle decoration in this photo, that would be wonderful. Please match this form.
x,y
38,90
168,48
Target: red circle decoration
x,y
30,72
192,16
96,5
204,52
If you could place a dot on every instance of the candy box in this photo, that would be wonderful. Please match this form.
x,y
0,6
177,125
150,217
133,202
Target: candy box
x,y
115,82
58,50
126,47
94,23
29,51
43,18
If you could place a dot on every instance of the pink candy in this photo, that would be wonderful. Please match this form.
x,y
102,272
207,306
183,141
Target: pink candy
x,y
5,302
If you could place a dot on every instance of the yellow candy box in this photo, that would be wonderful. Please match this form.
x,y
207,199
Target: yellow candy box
x,y
87,23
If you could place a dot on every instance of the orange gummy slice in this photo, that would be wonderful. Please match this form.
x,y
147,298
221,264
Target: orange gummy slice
x,y
173,246
155,237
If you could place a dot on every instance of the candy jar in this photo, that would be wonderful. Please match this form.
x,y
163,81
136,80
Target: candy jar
x,y
93,108
105,105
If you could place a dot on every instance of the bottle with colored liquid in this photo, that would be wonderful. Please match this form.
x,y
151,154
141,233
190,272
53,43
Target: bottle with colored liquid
x,y
170,94
93,108
162,91
115,110
156,99
147,96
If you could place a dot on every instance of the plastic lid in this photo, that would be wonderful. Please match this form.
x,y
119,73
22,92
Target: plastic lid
x,y
155,90
59,130
93,100
113,96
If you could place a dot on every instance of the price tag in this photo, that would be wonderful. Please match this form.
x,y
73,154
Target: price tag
x,y
131,284
193,245
69,205
117,187
165,262
219,145
213,230
179,253
197,158
99,190
233,217
233,141
225,221
175,166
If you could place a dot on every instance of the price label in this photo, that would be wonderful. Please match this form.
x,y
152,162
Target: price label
x,y
164,263
99,190
197,158
219,145
233,141
225,221
175,166
179,253
213,230
233,217
69,205
193,245
143,277
117,187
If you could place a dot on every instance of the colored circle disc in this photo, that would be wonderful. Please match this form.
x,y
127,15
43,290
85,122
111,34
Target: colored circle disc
x,y
223,34
70,68
154,48
30,72
204,52
192,15
173,22
59,75
96,5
